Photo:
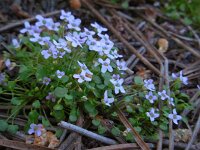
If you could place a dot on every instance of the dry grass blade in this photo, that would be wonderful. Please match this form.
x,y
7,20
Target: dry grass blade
x,y
21,145
127,124
194,134
118,147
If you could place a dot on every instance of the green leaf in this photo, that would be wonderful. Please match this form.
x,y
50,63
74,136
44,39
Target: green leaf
x,y
95,122
64,79
58,107
3,125
11,85
33,116
73,115
101,86
59,132
12,129
60,92
45,122
16,101
125,4
36,104
1,90
115,131
138,80
138,129
69,97
89,106
96,79
59,115
163,126
101,129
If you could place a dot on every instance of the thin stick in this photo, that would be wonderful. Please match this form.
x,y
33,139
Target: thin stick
x,y
127,124
171,133
19,23
194,134
119,147
87,133
118,35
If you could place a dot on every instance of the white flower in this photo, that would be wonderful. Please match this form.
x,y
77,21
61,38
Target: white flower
x,y
84,68
121,65
39,39
118,85
107,100
152,115
93,44
105,65
183,79
83,76
149,85
171,101
60,74
74,24
174,116
15,43
61,44
70,37
114,55
43,21
98,27
66,16
87,33
106,40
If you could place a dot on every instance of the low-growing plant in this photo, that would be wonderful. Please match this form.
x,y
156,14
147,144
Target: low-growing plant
x,y
188,10
63,69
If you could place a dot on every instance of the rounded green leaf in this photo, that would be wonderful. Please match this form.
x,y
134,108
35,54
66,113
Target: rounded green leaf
x,y
60,92
58,107
12,129
3,125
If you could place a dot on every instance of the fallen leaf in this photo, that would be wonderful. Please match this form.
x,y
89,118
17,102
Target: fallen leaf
x,y
182,135
163,45
75,4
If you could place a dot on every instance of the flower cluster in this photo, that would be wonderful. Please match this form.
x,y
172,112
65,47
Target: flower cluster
x,y
152,96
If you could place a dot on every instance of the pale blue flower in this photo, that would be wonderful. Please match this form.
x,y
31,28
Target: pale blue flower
x,y
66,16
46,80
37,129
151,97
105,65
152,114
121,65
83,76
98,27
149,85
60,74
51,97
74,24
107,100
163,95
87,33
174,117
118,85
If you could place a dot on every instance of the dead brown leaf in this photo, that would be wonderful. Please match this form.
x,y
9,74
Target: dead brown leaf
x,y
182,135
